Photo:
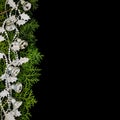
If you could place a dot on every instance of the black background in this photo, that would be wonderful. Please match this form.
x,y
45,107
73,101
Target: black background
x,y
40,110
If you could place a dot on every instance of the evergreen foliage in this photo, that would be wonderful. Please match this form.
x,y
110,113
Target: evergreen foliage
x,y
30,73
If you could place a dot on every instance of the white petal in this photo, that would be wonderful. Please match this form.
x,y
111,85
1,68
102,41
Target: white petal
x,y
21,22
1,55
1,38
24,17
23,60
12,79
11,3
2,30
3,77
17,113
15,62
9,116
4,93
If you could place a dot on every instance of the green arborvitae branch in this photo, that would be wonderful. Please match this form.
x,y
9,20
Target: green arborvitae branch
x,y
29,74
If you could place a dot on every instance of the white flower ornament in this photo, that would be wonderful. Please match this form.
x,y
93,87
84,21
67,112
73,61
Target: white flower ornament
x,y
2,30
1,38
9,77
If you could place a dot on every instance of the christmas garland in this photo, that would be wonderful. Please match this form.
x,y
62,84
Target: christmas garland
x,y
15,91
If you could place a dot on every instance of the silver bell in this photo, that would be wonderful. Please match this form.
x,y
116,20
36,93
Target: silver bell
x,y
23,43
17,87
13,71
26,5
10,25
